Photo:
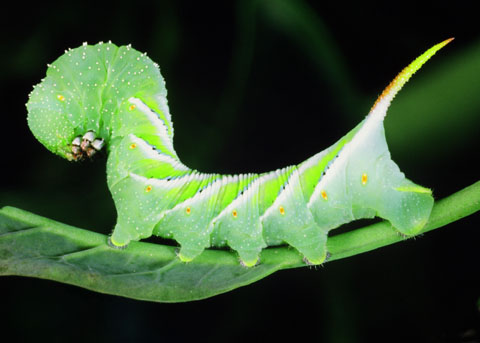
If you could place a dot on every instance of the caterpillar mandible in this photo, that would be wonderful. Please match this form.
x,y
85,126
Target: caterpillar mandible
x,y
107,97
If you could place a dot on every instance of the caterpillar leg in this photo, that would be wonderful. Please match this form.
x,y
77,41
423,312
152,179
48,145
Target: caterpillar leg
x,y
248,243
120,237
290,220
115,244
310,240
311,243
242,231
192,235
140,204
408,207
86,146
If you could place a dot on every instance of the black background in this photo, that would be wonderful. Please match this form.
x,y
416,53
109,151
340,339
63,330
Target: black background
x,y
251,91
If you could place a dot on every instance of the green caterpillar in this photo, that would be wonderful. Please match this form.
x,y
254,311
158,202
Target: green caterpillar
x,y
115,97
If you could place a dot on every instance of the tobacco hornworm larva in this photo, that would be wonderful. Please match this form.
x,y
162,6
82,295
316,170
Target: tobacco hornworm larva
x,y
104,95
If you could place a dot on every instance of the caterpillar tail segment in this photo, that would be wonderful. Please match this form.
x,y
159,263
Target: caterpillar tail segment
x,y
382,103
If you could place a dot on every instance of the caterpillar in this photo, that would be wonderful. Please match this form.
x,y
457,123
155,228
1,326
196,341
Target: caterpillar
x,y
105,97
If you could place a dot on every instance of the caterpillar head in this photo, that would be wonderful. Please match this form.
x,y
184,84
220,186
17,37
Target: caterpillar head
x,y
57,128
77,108
64,109
52,122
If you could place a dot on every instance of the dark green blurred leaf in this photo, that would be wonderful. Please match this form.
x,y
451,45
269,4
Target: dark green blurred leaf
x,y
308,31
439,109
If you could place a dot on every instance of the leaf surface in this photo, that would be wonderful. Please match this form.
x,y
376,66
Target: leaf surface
x,y
31,245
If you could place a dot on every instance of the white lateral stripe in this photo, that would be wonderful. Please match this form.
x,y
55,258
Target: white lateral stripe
x,y
372,123
228,179
312,161
172,183
157,155
251,189
213,187
284,191
162,101
156,121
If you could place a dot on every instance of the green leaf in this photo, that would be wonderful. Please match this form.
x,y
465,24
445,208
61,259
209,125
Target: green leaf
x,y
35,246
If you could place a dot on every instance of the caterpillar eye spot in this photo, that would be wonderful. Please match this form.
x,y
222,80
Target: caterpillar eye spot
x,y
234,213
282,210
324,195
148,188
60,97
188,210
133,146
364,179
